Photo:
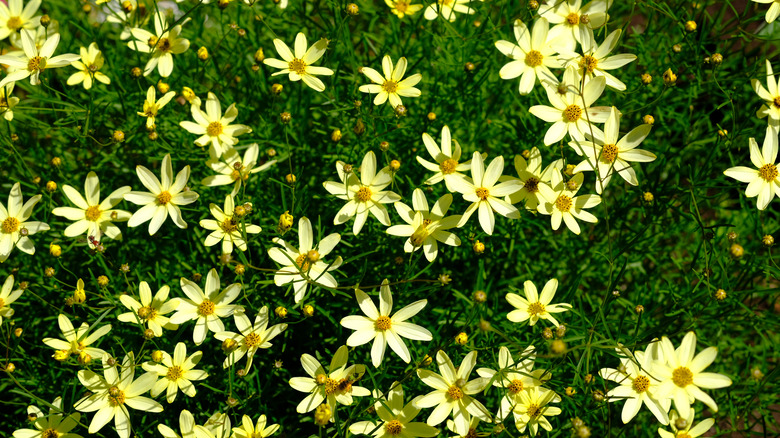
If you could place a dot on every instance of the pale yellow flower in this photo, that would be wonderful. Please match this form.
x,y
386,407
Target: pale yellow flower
x,y
152,106
533,307
298,64
176,373
390,85
91,61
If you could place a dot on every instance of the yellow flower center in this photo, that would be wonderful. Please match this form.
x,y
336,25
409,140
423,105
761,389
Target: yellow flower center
x,y
455,393
534,410
641,384
2,303
401,5
563,203
383,323
448,166
214,129
533,58
331,386
682,377
515,387
92,213
150,109
147,313
206,308
115,397
588,63
776,102
252,340
390,86
174,373
50,433
483,193
682,435
532,185
608,153
394,427
164,198
10,225
363,194
14,23
164,45
572,113
303,262
768,172
36,63
536,308
297,66
229,225
573,19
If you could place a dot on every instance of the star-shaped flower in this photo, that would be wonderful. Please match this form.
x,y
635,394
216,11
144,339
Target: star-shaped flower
x,y
152,106
299,65
163,198
161,45
382,328
232,169
150,310
447,167
176,373
594,60
515,376
531,176
227,227
425,226
365,195
532,58
251,337
389,85
35,60
215,129
396,419
15,226
562,204
770,95
533,306
76,341
485,192
764,181
206,308
52,425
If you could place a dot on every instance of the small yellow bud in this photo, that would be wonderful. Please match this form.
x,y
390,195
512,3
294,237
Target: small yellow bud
x,y
648,119
51,186
45,20
720,295
384,146
722,133
690,26
352,9
639,308
239,269
570,391
308,310
469,67
400,111
547,333
670,78
646,78
55,250
533,5
335,136
148,334
322,415
462,338
395,165
598,397
260,57
648,197
569,169
79,296
157,356
478,247
768,240
480,296
118,136
484,325
18,332
290,178
163,87
10,367
56,161
285,222
136,72
736,250
102,281
285,117
558,346
84,358
756,373
203,53
677,48
277,89
239,211
127,6
427,360
61,355
153,136
431,116
716,58
281,312
229,345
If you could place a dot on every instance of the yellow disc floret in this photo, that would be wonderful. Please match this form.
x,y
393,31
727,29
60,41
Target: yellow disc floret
x,y
363,194
768,172
533,58
640,384
608,153
206,308
10,225
390,86
572,113
482,193
516,386
454,393
115,397
563,203
92,213
214,129
448,166
588,63
573,19
297,66
534,410
383,323
536,308
14,23
50,433
252,340
36,63
531,184
394,427
174,373
164,197
682,377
